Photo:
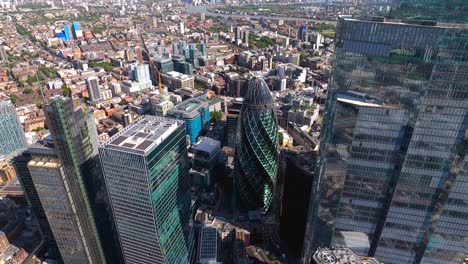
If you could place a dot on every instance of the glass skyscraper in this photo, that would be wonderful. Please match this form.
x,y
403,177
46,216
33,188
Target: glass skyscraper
x,y
256,158
451,11
23,174
196,114
75,142
53,186
392,163
146,173
11,132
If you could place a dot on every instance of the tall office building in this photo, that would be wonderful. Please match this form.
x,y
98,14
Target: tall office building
x,y
393,151
3,54
52,186
11,132
238,33
94,91
175,48
449,11
141,74
164,64
146,173
203,49
245,37
256,159
182,27
301,33
66,32
76,32
195,113
193,56
75,143
20,162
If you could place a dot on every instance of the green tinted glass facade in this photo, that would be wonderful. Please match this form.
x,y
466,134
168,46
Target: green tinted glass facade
x,y
393,153
75,141
146,175
452,11
256,148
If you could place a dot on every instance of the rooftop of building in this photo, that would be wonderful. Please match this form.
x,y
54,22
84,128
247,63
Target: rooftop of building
x,y
44,162
188,109
340,256
208,244
143,135
179,76
208,145
258,95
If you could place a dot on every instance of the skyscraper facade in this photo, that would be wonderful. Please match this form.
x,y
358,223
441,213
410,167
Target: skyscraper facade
x,y
142,75
52,186
94,91
66,32
75,28
75,141
195,113
11,132
393,147
256,155
301,32
146,173
20,162
449,11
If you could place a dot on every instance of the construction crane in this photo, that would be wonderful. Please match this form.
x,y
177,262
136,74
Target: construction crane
x,y
155,70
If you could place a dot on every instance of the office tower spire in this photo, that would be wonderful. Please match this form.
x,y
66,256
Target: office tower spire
x,y
146,174
256,148
75,142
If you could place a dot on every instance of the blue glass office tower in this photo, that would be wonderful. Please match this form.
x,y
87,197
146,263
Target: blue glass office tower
x,y
392,166
75,27
195,113
146,173
301,32
256,159
66,33
12,136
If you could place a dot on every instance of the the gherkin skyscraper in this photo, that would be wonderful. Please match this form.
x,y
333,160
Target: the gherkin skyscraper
x,y
256,148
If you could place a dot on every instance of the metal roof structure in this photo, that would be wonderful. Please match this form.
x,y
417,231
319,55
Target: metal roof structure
x,y
143,135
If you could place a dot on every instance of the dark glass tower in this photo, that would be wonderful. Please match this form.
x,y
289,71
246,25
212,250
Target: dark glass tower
x,y
451,11
256,160
393,159
75,141
20,162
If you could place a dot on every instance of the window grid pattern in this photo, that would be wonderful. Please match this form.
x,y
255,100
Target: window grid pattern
x,y
422,70
256,148
150,198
